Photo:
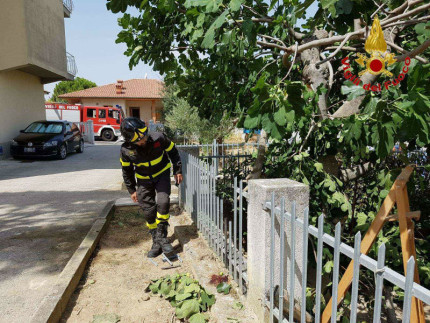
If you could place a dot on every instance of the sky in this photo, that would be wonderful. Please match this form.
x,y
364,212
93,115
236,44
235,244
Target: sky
x,y
91,32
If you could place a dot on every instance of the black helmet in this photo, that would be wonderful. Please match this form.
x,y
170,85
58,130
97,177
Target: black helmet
x,y
133,129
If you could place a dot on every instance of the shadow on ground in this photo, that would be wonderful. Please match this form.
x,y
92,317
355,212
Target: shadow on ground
x,y
41,237
94,157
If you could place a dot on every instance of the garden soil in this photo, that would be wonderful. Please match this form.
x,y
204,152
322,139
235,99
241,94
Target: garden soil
x,y
112,288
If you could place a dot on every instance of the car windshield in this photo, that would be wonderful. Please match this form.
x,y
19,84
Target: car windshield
x,y
44,127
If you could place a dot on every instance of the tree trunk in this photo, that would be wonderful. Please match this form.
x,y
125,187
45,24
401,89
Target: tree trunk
x,y
257,168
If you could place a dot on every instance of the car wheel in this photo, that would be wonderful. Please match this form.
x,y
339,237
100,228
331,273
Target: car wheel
x,y
62,152
108,135
81,147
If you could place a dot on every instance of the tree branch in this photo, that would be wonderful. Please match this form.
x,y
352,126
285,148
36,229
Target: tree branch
x,y
335,52
356,172
325,41
270,45
400,49
292,63
348,48
404,5
330,69
255,12
273,38
262,19
266,53
341,38
415,52
257,168
296,34
386,21
408,22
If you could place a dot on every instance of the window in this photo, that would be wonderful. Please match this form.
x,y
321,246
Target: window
x,y
113,114
102,113
68,127
91,113
44,127
135,112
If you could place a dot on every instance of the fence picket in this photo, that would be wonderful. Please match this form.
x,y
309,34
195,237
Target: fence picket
x,y
240,236
281,264
319,267
235,228
379,284
292,262
407,300
304,264
230,267
335,272
355,278
272,251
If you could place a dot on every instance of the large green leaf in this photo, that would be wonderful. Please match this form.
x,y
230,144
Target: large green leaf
x,y
181,297
199,318
188,308
352,91
209,40
207,300
220,20
280,116
251,122
344,7
117,5
235,5
223,288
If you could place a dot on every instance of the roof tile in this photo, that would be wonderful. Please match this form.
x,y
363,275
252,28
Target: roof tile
x,y
134,88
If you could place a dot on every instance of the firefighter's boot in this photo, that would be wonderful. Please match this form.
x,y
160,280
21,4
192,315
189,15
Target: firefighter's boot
x,y
162,237
156,248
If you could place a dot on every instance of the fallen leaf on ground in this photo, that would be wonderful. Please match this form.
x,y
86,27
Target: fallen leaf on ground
x,y
106,318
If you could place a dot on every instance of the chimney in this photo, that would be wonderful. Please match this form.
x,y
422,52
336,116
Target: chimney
x,y
119,87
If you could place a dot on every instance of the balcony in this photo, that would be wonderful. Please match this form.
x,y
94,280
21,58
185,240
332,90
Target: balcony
x,y
71,65
68,8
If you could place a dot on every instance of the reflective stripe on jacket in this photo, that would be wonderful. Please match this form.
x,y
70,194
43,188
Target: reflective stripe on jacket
x,y
149,161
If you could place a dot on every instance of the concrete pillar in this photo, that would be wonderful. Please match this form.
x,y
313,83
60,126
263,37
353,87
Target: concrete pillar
x,y
259,233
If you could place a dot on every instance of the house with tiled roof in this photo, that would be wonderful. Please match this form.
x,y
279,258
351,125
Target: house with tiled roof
x,y
141,98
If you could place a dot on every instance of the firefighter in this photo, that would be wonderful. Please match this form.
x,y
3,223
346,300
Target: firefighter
x,y
146,159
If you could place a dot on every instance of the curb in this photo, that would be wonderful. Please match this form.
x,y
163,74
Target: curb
x,y
54,304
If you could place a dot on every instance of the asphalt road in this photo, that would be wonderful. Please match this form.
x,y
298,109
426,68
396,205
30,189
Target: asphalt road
x,y
46,209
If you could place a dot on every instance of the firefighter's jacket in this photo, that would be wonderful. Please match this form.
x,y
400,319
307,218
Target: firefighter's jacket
x,y
148,162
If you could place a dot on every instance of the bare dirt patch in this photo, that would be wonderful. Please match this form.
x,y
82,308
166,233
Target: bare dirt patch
x,y
112,288
113,283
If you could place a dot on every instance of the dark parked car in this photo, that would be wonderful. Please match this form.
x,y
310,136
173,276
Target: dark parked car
x,y
48,138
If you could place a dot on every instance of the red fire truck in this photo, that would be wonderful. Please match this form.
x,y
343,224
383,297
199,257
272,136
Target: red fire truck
x,y
106,120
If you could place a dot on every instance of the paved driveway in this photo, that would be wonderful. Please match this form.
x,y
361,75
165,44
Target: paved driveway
x,y
46,209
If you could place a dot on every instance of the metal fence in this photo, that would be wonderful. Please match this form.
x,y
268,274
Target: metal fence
x,y
224,235
226,154
378,267
198,194
68,4
71,64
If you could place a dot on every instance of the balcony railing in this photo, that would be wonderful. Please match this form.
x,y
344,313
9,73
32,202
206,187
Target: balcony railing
x,y
68,4
71,64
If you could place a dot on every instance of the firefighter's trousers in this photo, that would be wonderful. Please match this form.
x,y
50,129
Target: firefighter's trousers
x,y
154,199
